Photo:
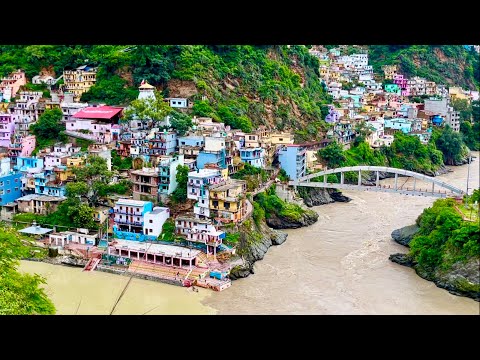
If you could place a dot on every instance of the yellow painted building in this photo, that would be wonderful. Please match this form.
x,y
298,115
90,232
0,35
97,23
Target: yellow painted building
x,y
281,138
75,161
390,71
79,80
64,174
227,200
456,93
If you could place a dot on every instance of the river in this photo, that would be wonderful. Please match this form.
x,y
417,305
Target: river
x,y
339,265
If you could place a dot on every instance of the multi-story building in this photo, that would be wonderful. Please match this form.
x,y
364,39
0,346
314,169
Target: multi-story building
x,y
167,170
342,131
389,71
46,183
190,146
27,109
292,159
138,220
253,156
79,80
164,143
197,189
99,124
10,85
213,153
39,204
200,231
402,82
227,201
7,129
430,88
145,184
396,124
10,183
453,119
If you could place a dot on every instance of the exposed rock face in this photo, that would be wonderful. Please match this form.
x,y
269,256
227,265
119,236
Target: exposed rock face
x,y
280,222
254,244
321,196
402,259
404,235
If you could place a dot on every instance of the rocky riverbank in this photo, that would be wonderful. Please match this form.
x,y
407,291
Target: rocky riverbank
x,y
462,278
320,196
254,242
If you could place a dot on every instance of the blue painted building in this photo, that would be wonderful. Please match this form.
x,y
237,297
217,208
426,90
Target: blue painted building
x,y
405,125
293,159
46,184
25,163
214,157
10,183
393,89
191,141
253,156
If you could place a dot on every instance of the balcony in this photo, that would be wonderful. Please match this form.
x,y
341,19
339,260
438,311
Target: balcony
x,y
129,222
118,211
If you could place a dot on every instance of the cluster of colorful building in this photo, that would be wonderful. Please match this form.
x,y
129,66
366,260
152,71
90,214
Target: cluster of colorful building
x,y
211,150
385,107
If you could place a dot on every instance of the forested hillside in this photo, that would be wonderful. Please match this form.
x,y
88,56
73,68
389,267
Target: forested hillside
x,y
243,86
444,64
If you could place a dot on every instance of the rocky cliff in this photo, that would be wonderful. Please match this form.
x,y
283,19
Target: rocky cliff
x,y
461,278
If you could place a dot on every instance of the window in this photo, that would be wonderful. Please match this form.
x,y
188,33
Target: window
x,y
150,230
150,221
8,191
8,182
16,188
1,183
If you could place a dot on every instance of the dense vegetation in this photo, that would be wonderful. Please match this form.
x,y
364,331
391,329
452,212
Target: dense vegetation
x,y
444,238
254,176
469,122
445,64
20,294
406,152
267,204
244,86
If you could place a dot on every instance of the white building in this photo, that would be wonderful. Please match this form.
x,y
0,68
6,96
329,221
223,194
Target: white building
x,y
197,189
81,236
154,220
198,230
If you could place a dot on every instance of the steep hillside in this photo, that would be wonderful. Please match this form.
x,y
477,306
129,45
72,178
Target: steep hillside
x,y
444,64
244,86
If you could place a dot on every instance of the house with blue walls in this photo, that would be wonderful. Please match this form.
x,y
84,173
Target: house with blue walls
x,y
253,156
10,183
293,159
214,152
46,183
405,125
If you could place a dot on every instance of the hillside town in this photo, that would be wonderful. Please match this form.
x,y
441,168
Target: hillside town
x,y
143,231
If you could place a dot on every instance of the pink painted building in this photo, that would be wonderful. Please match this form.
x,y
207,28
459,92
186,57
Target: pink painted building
x,y
7,129
99,124
12,83
21,146
402,82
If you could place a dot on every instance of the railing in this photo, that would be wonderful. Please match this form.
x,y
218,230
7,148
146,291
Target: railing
x,y
118,211
129,222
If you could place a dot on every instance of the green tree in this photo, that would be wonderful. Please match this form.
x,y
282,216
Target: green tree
x,y
92,180
150,111
333,155
49,125
464,108
20,294
180,193
450,143
180,122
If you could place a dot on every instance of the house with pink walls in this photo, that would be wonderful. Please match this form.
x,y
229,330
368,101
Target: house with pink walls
x,y
402,82
7,129
12,84
21,146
